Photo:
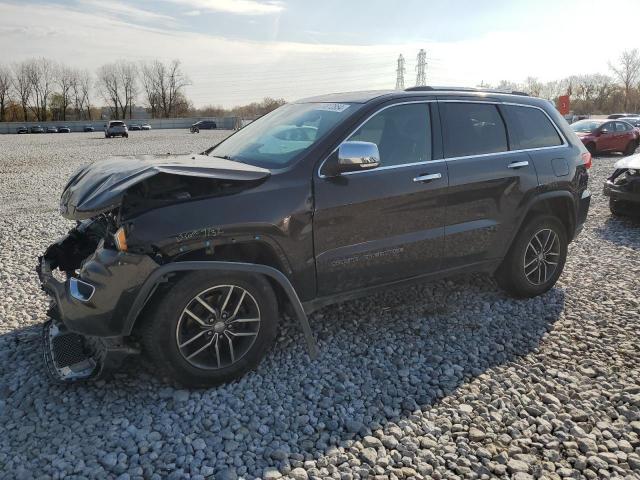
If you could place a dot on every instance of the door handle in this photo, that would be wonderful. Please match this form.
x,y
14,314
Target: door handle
x,y
427,177
521,164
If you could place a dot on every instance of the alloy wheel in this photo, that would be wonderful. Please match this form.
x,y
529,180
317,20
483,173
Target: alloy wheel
x,y
541,256
218,327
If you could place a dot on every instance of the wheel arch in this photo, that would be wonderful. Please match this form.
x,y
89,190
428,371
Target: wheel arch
x,y
558,203
163,276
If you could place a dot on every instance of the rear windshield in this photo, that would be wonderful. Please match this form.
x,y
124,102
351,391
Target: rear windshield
x,y
117,124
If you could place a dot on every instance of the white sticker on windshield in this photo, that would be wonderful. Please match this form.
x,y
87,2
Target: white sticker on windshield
x,y
333,107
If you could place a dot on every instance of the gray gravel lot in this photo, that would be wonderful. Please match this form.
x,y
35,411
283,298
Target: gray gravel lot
x,y
448,380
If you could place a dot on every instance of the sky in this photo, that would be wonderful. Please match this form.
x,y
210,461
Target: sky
x,y
238,51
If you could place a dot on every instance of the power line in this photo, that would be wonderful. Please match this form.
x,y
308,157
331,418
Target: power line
x,y
400,73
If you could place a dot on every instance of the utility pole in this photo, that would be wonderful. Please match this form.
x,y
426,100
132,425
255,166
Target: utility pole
x,y
421,68
400,73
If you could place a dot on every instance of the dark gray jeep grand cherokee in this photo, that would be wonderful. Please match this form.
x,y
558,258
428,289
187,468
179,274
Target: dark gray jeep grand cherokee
x,y
192,259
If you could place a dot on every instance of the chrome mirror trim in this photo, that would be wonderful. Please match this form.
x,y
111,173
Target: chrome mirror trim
x,y
364,155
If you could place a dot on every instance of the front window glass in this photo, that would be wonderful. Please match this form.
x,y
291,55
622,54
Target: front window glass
x,y
585,126
402,134
280,137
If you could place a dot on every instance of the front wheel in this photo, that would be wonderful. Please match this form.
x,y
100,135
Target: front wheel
x,y
211,328
536,258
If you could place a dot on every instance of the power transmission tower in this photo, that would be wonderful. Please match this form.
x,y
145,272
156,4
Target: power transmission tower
x,y
400,73
421,68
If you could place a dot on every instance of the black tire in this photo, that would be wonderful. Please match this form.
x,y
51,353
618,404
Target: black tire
x,y
591,148
107,136
160,330
631,148
614,207
126,135
511,275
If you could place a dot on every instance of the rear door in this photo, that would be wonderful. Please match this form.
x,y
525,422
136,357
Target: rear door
x,y
387,223
488,183
607,138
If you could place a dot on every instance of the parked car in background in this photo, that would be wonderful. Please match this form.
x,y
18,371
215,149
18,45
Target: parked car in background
x,y
22,130
88,128
623,187
64,129
601,136
52,129
116,128
613,116
192,259
135,126
37,129
145,126
203,125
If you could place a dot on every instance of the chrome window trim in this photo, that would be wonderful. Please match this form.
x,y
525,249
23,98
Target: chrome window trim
x,y
388,167
564,144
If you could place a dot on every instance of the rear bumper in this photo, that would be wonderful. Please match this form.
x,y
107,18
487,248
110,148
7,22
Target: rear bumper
x,y
98,300
583,210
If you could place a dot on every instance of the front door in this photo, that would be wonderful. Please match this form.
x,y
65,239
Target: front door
x,y
384,224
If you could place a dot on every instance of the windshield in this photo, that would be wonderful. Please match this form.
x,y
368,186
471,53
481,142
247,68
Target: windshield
x,y
278,138
585,126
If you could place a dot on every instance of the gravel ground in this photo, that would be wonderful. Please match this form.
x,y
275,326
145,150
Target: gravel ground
x,y
449,380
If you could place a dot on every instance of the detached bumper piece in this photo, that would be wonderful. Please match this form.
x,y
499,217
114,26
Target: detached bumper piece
x,y
67,355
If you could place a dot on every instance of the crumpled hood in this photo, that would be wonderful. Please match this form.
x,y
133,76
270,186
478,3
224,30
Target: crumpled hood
x,y
100,186
631,162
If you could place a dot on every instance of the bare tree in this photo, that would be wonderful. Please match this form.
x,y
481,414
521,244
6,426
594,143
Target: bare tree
x,y
110,87
150,86
627,72
533,86
129,74
163,87
118,85
80,93
41,73
5,91
65,79
22,86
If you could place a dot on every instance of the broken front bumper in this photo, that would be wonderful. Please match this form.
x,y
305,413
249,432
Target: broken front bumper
x,y
85,335
97,301
628,192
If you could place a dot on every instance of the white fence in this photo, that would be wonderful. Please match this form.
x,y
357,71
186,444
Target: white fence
x,y
227,123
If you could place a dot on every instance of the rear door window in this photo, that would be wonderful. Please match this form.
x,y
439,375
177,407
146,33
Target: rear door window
x,y
472,129
621,127
532,128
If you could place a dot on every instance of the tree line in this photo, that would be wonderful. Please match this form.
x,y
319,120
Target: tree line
x,y
618,91
39,89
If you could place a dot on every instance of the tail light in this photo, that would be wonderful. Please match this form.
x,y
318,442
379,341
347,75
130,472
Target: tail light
x,y
586,160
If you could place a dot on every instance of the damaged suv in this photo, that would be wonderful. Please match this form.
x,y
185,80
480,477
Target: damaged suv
x,y
192,259
623,187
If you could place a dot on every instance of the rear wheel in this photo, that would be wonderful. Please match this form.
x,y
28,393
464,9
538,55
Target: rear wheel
x,y
536,258
591,147
211,328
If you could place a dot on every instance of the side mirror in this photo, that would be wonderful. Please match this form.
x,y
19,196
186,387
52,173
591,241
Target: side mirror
x,y
356,156
604,130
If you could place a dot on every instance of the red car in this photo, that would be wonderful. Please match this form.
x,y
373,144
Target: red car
x,y
601,136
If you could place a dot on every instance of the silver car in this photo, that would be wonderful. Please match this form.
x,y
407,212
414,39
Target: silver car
x,y
116,128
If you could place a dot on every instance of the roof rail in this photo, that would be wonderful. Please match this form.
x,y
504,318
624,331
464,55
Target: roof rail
x,y
429,88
